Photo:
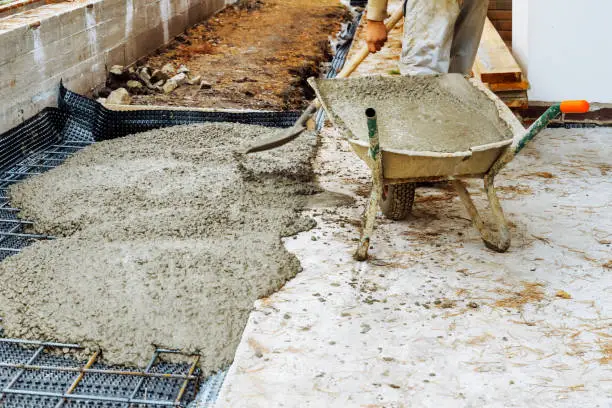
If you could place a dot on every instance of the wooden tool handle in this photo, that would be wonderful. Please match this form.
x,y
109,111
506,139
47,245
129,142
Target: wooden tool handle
x,y
364,52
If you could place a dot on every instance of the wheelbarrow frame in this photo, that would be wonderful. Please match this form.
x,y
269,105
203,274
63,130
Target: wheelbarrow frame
x,y
499,240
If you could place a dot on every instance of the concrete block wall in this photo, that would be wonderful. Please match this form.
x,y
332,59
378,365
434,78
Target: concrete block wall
x,y
77,42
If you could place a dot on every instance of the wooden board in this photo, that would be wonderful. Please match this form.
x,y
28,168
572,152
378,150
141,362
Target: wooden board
x,y
514,99
509,86
495,62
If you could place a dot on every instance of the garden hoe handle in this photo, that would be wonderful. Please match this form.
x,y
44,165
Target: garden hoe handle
x,y
365,51
300,125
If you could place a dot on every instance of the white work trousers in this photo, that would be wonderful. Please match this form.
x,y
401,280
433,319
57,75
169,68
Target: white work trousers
x,y
441,36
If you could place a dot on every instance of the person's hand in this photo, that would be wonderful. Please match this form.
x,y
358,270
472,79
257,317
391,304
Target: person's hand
x,y
376,35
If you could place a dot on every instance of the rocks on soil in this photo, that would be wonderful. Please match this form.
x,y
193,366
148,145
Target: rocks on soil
x,y
168,69
205,84
144,79
119,96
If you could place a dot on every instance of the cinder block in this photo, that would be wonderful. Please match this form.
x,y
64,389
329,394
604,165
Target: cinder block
x,y
49,30
73,22
153,16
14,42
177,24
139,21
217,5
112,10
146,42
115,56
110,34
196,14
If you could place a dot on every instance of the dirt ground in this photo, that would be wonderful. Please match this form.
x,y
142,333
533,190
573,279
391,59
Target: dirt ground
x,y
255,55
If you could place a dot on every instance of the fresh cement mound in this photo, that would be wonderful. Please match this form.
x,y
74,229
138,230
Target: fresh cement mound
x,y
166,238
443,113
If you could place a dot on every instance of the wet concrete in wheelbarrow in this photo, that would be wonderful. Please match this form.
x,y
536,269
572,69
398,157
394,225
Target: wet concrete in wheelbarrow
x,y
423,113
165,238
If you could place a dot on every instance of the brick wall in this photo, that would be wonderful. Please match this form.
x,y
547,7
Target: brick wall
x,y
77,41
500,14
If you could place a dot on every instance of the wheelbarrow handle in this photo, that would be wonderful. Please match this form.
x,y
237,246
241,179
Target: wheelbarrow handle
x,y
519,143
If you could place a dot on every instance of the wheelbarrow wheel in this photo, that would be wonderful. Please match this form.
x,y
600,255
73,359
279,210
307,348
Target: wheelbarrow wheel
x,y
397,200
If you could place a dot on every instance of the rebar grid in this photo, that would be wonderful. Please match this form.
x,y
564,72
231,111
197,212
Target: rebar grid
x,y
38,348
12,234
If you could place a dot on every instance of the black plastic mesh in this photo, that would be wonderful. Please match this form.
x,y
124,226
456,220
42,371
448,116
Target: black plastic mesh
x,y
102,385
89,120
42,143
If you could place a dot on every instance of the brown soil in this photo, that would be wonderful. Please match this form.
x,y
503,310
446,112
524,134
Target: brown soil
x,y
256,55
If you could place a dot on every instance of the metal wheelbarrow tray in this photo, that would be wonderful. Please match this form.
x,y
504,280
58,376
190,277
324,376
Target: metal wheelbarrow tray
x,y
429,128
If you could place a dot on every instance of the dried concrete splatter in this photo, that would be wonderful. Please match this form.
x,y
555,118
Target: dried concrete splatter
x,y
421,113
166,238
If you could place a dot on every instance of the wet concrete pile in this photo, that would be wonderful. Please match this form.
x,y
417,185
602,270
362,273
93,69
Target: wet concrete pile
x,y
421,113
164,238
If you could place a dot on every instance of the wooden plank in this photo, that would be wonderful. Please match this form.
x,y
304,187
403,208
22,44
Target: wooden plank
x,y
505,35
501,25
514,99
500,4
495,61
500,15
510,86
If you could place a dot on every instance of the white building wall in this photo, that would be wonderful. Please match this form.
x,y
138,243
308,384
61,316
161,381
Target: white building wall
x,y
565,47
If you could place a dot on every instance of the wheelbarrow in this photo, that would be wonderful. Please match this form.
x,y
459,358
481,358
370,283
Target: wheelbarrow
x,y
389,123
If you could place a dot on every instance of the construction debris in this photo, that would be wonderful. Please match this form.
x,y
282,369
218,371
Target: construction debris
x,y
168,70
133,85
195,80
182,70
119,96
154,80
159,75
116,70
174,82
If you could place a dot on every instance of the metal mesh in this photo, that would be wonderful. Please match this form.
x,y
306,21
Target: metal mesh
x,y
34,374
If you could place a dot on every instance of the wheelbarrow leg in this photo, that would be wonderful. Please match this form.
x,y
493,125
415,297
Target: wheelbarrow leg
x,y
369,216
499,241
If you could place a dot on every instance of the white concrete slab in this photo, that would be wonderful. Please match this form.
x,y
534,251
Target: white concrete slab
x,y
435,318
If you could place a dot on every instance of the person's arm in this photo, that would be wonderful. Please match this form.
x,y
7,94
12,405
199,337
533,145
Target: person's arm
x,y
376,32
377,10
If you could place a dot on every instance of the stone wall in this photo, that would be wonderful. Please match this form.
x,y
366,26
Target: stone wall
x,y
77,42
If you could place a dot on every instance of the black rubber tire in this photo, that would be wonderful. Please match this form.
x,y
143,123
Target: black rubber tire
x,y
397,200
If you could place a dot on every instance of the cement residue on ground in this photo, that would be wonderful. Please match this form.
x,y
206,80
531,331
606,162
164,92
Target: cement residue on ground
x,y
165,238
422,113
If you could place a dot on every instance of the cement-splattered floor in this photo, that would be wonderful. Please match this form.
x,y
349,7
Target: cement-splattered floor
x,y
435,319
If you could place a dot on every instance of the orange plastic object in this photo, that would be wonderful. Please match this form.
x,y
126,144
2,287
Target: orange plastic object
x,y
575,106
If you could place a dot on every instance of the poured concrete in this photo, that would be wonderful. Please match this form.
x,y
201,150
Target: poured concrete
x,y
166,238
